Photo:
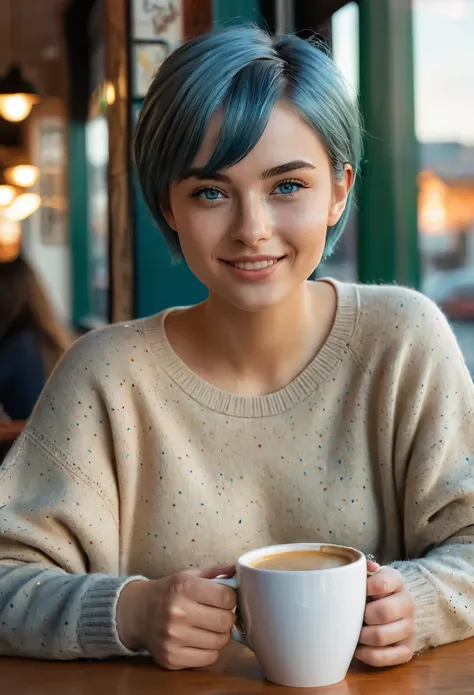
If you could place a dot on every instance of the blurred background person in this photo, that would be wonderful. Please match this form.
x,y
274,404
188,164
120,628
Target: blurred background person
x,y
32,339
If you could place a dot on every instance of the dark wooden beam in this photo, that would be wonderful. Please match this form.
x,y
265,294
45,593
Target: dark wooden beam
x,y
121,262
77,55
197,17
311,16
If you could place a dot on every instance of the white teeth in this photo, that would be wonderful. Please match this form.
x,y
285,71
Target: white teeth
x,y
258,265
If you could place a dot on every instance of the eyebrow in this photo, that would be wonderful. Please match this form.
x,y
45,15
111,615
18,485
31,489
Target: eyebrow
x,y
198,172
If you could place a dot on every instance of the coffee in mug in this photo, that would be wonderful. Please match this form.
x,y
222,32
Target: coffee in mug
x,y
303,561
301,608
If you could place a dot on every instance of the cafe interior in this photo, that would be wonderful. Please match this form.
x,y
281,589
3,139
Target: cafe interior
x,y
73,76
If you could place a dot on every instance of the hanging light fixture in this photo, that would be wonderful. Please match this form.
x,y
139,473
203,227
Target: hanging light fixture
x,y
22,175
19,171
7,192
17,94
7,196
23,206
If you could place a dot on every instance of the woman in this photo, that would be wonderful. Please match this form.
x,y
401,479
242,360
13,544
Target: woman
x,y
279,410
32,340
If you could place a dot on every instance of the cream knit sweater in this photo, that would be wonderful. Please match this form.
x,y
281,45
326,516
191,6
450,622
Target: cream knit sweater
x,y
132,465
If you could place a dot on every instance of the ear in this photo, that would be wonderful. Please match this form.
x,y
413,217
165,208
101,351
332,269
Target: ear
x,y
341,190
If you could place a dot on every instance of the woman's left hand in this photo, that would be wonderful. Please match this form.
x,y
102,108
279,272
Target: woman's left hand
x,y
388,635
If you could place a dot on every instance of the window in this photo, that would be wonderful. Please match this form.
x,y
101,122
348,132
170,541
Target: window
x,y
342,265
444,106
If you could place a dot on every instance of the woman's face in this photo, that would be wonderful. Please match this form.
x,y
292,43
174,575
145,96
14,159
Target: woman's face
x,y
255,232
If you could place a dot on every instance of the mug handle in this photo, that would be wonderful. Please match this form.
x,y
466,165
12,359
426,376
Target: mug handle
x,y
236,634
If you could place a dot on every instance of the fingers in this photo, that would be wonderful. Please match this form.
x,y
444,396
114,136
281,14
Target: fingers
x,y
386,581
205,592
189,618
209,618
186,657
213,572
387,638
372,566
389,609
386,656
386,635
187,636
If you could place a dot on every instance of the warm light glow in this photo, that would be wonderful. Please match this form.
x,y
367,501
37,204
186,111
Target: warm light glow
x,y
110,93
434,216
10,239
444,207
16,107
23,175
432,204
10,232
7,196
23,206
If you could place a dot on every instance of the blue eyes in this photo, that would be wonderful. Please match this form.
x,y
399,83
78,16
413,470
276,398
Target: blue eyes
x,y
208,193
286,189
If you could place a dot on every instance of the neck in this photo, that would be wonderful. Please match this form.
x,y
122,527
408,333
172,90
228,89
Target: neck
x,y
252,341
260,352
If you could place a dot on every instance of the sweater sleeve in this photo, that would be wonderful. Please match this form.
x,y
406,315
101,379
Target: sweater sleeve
x,y
59,529
435,440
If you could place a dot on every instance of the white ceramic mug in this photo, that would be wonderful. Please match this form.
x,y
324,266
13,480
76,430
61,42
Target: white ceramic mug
x,y
303,626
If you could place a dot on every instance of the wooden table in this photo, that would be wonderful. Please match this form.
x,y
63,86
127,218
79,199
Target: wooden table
x,y
10,430
448,670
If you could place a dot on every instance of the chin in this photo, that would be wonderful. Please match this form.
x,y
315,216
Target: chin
x,y
253,299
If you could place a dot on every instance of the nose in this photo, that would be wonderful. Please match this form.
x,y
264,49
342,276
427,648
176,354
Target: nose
x,y
252,223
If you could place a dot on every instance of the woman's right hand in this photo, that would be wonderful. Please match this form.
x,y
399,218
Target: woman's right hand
x,y
184,620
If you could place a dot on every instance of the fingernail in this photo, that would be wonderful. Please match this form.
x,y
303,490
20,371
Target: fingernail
x,y
371,572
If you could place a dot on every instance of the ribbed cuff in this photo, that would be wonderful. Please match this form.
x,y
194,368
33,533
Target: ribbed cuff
x,y
426,598
97,628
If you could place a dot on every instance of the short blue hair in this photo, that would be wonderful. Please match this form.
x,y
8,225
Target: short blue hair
x,y
243,71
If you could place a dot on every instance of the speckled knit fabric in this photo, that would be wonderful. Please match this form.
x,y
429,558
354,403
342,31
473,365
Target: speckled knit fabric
x,y
134,466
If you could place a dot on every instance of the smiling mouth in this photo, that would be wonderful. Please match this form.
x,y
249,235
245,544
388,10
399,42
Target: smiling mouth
x,y
253,265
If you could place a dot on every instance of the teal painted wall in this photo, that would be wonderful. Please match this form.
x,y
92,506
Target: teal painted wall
x,y
387,196
225,12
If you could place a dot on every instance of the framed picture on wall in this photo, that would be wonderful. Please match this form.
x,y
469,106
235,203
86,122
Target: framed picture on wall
x,y
157,29
157,20
147,58
52,182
